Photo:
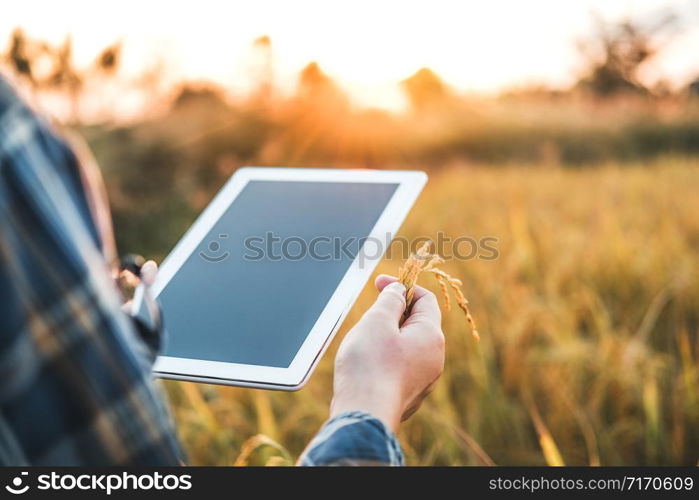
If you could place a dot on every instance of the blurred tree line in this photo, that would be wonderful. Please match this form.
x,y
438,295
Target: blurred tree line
x,y
51,68
166,165
615,52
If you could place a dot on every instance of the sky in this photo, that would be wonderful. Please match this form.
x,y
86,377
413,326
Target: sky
x,y
367,46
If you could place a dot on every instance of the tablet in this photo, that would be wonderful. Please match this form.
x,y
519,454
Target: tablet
x,y
255,290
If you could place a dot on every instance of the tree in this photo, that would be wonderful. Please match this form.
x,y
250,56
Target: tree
x,y
25,57
425,90
617,50
20,55
319,92
263,70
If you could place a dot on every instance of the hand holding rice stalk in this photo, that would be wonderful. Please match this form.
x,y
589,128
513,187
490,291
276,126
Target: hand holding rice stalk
x,y
423,261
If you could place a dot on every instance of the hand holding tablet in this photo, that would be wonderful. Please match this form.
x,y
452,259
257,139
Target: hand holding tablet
x,y
255,290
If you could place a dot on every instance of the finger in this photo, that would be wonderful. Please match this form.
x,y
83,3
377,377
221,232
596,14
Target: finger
x,y
129,278
148,272
419,293
423,329
424,305
391,301
383,280
423,308
410,412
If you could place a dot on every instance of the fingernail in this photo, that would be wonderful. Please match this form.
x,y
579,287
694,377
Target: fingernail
x,y
149,267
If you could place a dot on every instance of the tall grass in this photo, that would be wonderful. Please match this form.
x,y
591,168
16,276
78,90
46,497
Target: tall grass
x,y
589,322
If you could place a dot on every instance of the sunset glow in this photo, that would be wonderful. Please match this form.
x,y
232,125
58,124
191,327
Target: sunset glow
x,y
366,46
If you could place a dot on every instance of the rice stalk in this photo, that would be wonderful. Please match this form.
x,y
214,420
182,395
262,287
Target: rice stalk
x,y
423,261
548,446
258,441
196,400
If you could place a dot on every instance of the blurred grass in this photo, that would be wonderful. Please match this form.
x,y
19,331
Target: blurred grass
x,y
588,318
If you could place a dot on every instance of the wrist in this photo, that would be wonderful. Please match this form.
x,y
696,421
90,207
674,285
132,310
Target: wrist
x,y
383,404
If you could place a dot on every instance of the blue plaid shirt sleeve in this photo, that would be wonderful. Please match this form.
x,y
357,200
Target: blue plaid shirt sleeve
x,y
353,438
75,384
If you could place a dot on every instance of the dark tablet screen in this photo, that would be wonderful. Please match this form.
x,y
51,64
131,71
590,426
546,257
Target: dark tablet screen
x,y
257,283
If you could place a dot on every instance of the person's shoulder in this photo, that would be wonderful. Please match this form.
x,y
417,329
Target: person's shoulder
x,y
13,107
18,119
8,95
16,102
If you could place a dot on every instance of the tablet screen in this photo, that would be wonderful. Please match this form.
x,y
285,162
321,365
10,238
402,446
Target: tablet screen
x,y
256,284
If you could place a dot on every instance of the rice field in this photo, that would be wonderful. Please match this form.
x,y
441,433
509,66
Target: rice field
x,y
589,324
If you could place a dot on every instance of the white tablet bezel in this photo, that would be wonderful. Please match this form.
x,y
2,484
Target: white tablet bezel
x,y
410,183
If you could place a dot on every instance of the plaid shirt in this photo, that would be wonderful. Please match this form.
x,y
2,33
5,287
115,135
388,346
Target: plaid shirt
x,y
75,370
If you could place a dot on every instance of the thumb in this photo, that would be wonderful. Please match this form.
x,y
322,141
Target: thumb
x,y
148,272
391,301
